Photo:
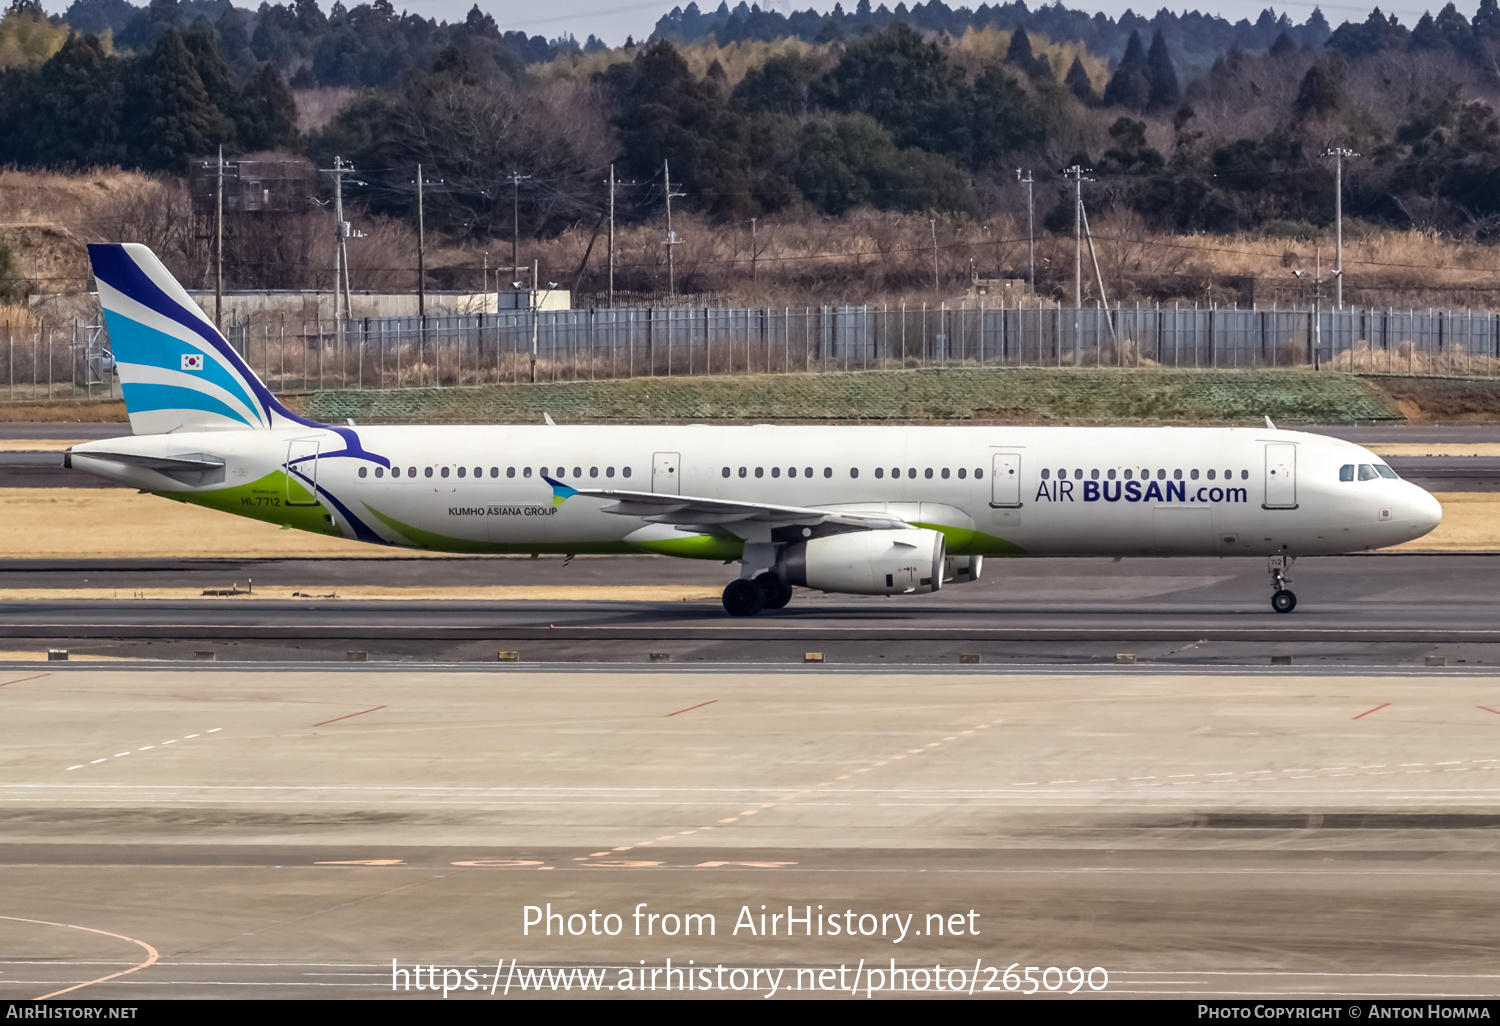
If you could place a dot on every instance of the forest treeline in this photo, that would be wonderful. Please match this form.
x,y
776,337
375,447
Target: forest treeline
x,y
1186,123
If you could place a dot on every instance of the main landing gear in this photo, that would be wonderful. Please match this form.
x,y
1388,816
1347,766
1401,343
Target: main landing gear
x,y
747,597
1282,600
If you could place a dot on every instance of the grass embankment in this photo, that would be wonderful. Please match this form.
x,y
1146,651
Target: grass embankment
x,y
1091,396
954,395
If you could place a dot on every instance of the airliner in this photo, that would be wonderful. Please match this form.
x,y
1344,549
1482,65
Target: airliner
x,y
849,510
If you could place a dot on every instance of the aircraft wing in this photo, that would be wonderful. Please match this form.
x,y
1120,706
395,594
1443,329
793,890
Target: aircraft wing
x,y
658,508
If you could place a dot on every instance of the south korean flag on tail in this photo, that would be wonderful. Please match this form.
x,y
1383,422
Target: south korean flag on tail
x,y
192,362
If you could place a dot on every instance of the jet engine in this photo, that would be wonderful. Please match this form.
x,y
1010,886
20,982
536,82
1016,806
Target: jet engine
x,y
962,569
897,561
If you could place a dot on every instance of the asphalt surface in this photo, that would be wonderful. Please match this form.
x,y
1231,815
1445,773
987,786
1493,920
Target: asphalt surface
x,y
276,834
1378,609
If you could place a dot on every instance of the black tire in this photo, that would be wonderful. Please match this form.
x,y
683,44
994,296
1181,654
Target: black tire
x,y
1283,601
743,598
775,593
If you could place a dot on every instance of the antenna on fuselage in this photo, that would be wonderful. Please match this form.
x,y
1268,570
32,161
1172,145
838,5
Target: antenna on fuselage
x,y
1269,424
548,419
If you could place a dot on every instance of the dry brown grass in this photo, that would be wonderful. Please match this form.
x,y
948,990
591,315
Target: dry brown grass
x,y
875,257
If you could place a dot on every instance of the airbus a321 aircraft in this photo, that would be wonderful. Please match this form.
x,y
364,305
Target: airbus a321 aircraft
x,y
855,510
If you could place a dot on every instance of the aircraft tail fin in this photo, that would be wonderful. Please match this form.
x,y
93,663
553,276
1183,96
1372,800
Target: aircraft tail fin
x,y
177,372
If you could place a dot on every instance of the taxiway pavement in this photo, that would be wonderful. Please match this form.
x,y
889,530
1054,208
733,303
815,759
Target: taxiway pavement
x,y
274,834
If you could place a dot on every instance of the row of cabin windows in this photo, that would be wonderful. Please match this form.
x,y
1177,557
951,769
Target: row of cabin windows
x,y
609,472
558,472
1161,475
1366,472
911,472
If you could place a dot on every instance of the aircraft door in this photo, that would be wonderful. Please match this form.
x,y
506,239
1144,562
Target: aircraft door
x,y
302,473
666,473
1281,476
1005,480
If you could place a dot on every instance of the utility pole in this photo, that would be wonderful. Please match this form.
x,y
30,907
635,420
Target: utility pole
x,y
611,235
1076,173
421,252
515,220
537,299
933,225
340,249
1029,181
219,245
672,239
1338,153
754,275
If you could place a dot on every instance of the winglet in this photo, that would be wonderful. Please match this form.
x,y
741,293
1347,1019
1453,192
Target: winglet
x,y
561,493
1269,424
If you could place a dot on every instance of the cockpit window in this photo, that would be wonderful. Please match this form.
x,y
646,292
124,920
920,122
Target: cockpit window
x,y
1367,472
1386,472
1346,472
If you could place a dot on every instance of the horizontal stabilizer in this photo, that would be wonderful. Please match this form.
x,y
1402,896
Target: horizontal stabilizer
x,y
193,468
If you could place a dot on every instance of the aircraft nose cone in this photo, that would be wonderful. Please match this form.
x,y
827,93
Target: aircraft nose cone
x,y
1426,512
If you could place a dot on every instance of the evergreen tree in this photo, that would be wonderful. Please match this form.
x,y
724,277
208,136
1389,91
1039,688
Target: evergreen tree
x,y
1162,76
1079,83
1322,90
175,119
266,118
1130,85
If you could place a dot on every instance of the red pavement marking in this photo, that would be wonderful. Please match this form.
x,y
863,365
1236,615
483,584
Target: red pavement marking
x,y
360,713
1488,709
1369,711
20,679
690,708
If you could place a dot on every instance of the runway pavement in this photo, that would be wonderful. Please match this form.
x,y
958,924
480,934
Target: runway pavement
x,y
1363,610
289,834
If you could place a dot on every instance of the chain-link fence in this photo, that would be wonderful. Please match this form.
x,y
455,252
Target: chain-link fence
x,y
570,345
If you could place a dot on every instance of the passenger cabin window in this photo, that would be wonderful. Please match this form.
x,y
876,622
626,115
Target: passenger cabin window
x,y
444,471
760,472
426,471
625,471
363,471
964,472
945,473
380,472
978,473
510,471
1045,473
525,471
610,471
461,471
880,472
853,471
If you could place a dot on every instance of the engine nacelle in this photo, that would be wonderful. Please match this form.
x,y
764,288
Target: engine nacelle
x,y
962,569
887,562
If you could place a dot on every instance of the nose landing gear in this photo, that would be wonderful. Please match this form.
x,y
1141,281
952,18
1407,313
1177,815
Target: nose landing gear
x,y
1282,600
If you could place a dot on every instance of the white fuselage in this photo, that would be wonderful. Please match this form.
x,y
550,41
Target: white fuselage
x,y
995,491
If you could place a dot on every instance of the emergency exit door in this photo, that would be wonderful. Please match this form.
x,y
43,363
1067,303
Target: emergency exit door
x,y
666,472
1281,476
302,473
1005,480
